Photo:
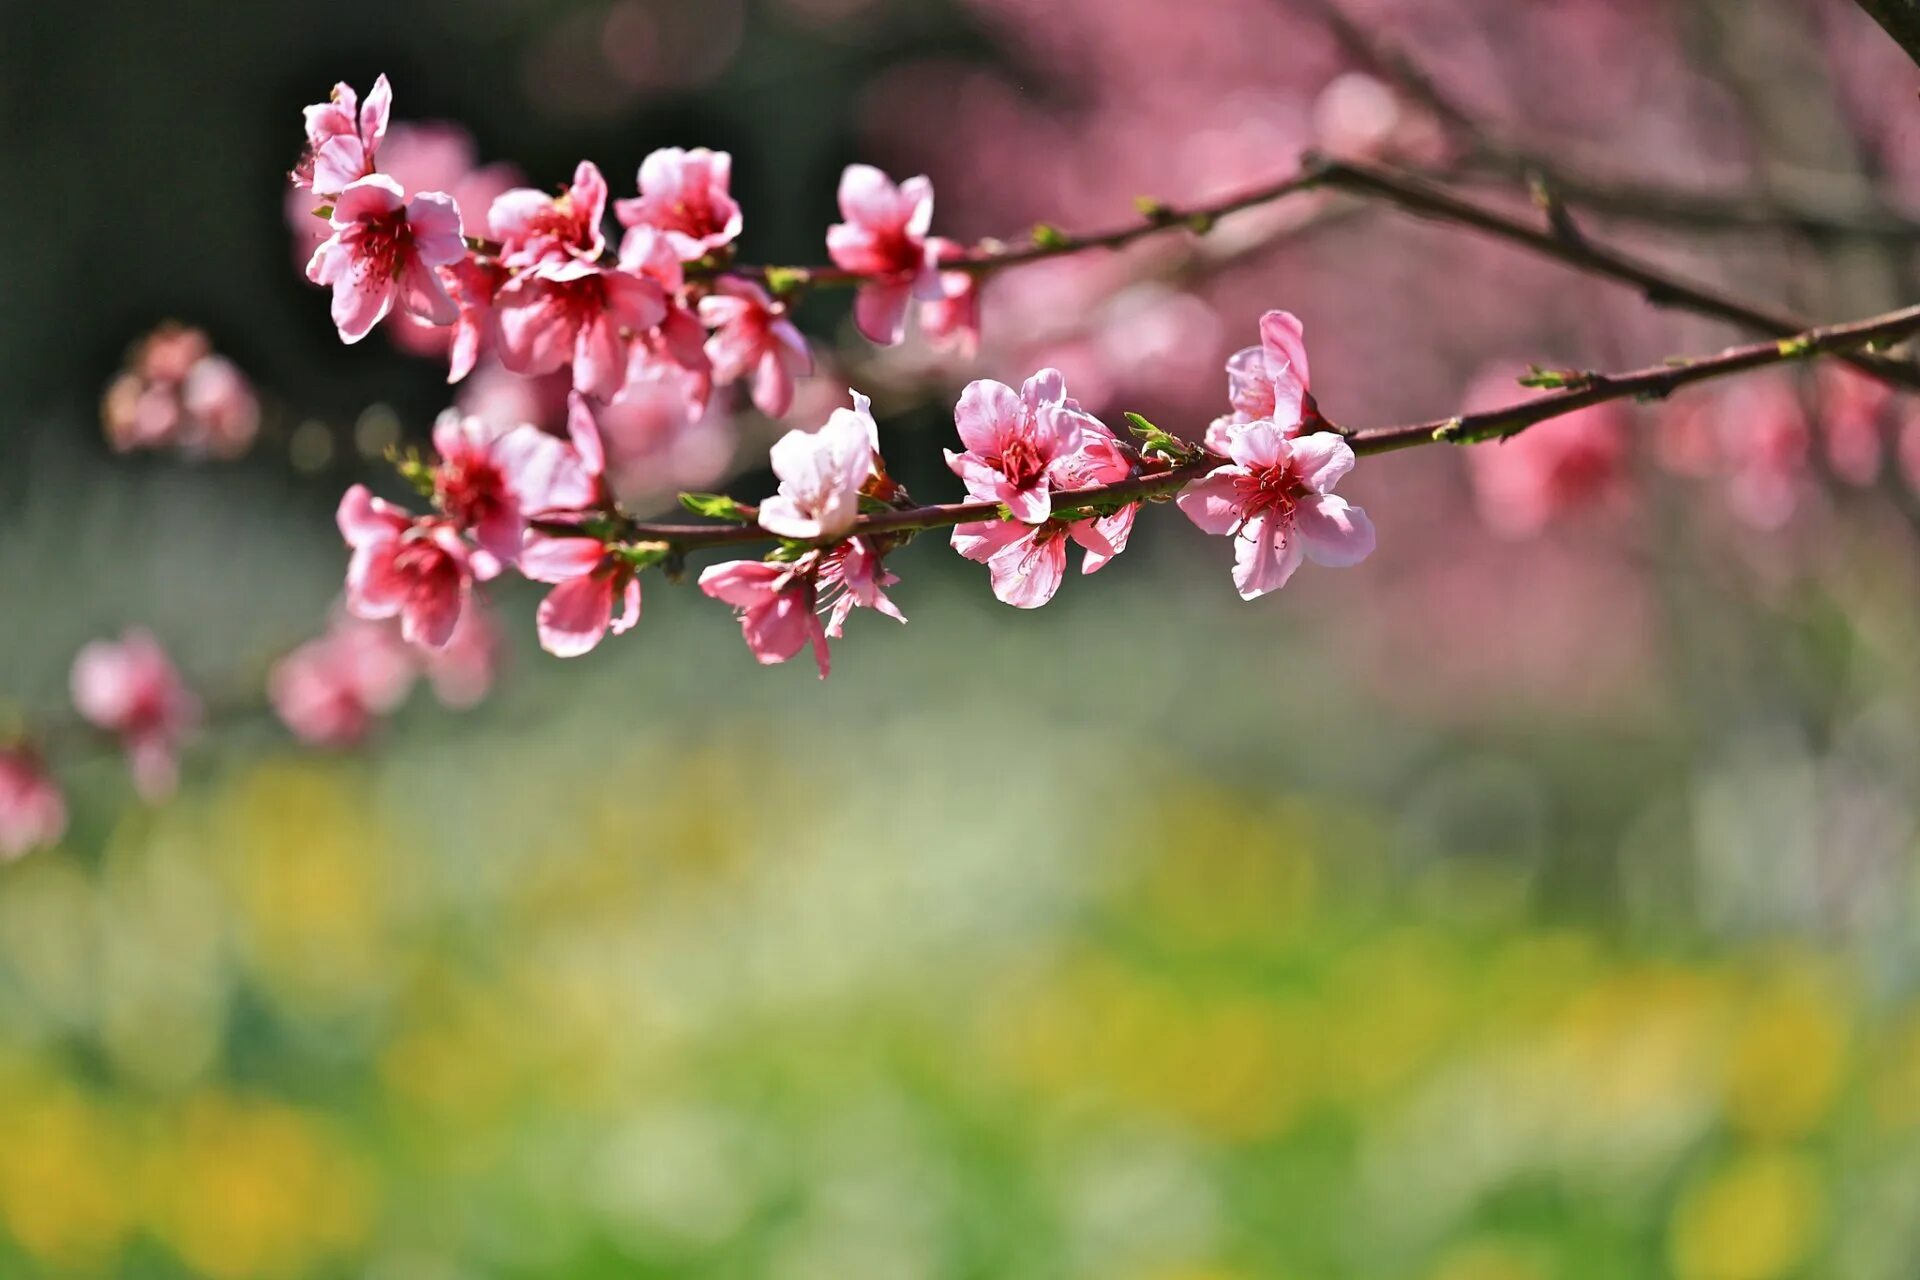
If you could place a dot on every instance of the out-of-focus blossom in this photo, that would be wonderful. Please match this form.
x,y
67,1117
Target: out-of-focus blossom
x,y
129,688
415,568
1571,463
331,690
1852,406
492,481
462,670
534,227
1765,447
884,237
1268,382
1275,501
343,138
33,813
775,605
581,313
656,445
684,194
1018,445
1355,116
821,473
951,321
386,246
753,338
176,393
678,342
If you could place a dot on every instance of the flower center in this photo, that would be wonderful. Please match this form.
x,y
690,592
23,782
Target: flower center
x,y
470,489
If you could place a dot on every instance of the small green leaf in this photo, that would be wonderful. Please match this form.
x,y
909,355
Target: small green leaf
x,y
642,555
324,213
1141,427
1153,210
1048,236
782,281
718,506
1201,223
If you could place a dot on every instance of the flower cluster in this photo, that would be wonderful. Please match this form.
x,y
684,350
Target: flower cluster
x,y
177,393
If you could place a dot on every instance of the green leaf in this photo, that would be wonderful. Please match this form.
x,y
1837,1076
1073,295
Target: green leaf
x,y
1048,236
1141,427
718,506
782,281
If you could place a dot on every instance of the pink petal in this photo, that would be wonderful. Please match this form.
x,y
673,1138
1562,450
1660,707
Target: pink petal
x,y
986,416
547,559
574,617
1263,557
880,311
1333,532
1027,571
1321,459
1213,501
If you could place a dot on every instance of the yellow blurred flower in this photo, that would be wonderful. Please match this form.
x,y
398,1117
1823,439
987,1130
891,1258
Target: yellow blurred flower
x,y
1754,1219
1787,1056
62,1158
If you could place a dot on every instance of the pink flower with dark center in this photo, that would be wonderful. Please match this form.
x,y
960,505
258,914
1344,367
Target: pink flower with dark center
x,y
33,813
884,238
129,688
1267,382
752,336
329,691
1027,562
1275,500
1019,446
775,605
851,576
343,138
492,481
534,227
1572,463
414,567
951,321
821,475
684,194
576,311
386,246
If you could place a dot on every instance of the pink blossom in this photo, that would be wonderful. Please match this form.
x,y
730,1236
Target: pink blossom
x,y
329,691
1018,445
1275,500
752,335
384,244
1027,562
462,671
579,312
590,580
534,227
1573,462
491,481
415,568
775,604
655,442
684,194
473,283
1851,408
884,237
951,321
1267,382
33,813
342,144
1766,444
219,401
129,688
850,576
679,340
821,474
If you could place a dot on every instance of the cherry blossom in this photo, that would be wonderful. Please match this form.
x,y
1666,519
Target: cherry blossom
x,y
775,605
884,237
462,671
851,576
590,582
1019,445
821,474
491,481
534,227
33,813
129,688
951,320
575,311
684,194
331,690
384,245
678,342
753,337
1267,382
1525,482
1275,500
175,392
415,568
343,138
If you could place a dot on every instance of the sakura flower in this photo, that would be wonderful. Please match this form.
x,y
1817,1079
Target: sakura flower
x,y
33,813
534,227
1018,445
415,568
343,138
684,194
1851,408
951,320
590,581
329,691
1275,500
1525,482
385,245
472,283
579,312
884,238
678,342
851,576
821,474
462,671
1027,562
491,481
752,335
129,688
775,605
1267,382
220,404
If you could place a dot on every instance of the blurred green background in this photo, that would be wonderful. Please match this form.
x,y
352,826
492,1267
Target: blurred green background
x,y
1149,937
